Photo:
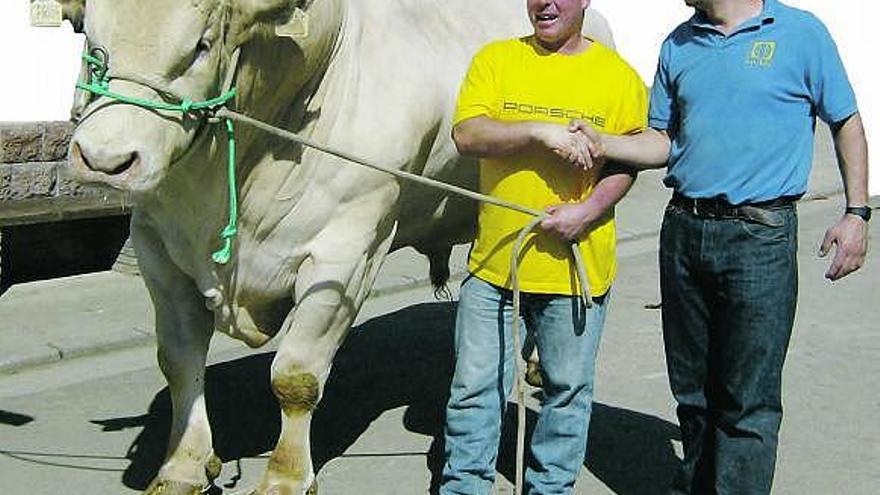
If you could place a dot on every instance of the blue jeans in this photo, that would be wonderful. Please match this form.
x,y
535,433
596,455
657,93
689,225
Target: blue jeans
x,y
567,336
729,289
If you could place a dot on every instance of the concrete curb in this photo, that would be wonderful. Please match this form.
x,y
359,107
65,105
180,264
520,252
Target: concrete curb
x,y
52,353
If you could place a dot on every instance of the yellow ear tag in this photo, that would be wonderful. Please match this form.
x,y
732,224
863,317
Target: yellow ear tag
x,y
45,13
296,27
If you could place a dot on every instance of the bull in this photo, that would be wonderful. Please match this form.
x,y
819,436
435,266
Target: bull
x,y
374,78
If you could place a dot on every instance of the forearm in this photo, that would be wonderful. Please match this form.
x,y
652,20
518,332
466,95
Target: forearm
x,y
852,159
484,137
572,220
850,233
615,182
645,150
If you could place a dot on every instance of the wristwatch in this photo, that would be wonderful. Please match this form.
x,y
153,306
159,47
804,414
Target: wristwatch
x,y
860,211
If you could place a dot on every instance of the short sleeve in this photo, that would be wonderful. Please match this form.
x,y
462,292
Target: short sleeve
x,y
478,90
634,105
830,90
662,99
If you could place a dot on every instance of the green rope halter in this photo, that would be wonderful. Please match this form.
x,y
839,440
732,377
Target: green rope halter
x,y
99,84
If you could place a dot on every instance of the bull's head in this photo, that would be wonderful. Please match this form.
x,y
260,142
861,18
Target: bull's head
x,y
157,50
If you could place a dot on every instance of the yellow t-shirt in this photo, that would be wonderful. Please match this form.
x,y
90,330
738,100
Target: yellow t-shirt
x,y
512,80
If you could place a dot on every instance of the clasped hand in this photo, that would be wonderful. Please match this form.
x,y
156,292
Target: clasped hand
x,y
578,144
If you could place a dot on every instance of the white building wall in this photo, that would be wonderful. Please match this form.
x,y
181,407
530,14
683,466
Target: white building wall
x,y
40,65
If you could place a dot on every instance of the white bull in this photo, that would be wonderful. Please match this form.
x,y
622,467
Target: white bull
x,y
375,78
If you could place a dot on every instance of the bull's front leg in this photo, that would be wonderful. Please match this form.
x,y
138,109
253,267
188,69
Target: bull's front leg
x,y
330,289
183,332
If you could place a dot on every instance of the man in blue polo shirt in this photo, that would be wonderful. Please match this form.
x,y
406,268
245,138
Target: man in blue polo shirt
x,y
733,110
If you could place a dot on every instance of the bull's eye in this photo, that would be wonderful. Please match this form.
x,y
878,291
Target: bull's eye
x,y
203,48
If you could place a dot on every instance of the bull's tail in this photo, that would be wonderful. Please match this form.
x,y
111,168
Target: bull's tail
x,y
439,261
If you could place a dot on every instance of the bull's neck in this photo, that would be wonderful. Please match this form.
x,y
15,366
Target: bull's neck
x,y
276,73
275,79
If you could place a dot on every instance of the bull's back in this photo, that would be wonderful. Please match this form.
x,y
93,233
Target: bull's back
x,y
426,48
411,56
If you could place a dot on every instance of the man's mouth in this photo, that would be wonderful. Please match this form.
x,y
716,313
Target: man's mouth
x,y
546,17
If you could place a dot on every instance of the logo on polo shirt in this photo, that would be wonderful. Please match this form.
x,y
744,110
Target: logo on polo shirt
x,y
559,113
761,54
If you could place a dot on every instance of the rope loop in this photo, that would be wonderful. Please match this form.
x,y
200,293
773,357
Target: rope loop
x,y
186,105
98,61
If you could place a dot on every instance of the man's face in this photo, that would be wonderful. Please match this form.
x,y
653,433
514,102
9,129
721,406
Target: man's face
x,y
556,21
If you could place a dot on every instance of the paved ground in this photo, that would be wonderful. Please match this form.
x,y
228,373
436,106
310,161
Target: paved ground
x,y
83,408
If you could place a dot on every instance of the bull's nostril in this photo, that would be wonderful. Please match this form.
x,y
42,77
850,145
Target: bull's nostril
x,y
132,158
110,164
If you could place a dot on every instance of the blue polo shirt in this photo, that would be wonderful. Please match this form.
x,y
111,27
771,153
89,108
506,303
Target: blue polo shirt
x,y
741,109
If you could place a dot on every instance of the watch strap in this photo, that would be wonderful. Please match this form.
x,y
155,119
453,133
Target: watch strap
x,y
860,211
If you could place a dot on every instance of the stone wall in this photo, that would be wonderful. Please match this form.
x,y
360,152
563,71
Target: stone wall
x,y
30,156
49,223
34,176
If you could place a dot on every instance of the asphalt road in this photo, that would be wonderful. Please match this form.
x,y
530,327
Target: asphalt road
x,y
97,424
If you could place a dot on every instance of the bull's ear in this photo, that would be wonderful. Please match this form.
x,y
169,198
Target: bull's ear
x,y
250,15
75,12
251,12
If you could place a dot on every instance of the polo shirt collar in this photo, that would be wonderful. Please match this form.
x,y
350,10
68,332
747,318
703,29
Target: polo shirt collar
x,y
767,15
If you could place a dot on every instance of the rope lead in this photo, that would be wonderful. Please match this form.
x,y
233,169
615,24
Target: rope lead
x,y
228,234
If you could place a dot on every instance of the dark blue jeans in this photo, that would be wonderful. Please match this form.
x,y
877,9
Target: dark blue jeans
x,y
729,289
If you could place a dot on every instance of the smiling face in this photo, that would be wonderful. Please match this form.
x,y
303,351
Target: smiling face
x,y
557,23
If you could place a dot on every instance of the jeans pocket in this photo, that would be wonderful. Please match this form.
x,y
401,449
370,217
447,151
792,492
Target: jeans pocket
x,y
775,229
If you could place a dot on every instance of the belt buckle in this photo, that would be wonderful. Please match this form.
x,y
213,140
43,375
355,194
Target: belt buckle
x,y
700,209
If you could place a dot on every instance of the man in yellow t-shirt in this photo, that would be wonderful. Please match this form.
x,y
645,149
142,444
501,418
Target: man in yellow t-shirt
x,y
514,112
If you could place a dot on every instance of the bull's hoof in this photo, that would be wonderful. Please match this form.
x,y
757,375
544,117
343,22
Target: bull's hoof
x,y
213,467
313,490
533,374
166,487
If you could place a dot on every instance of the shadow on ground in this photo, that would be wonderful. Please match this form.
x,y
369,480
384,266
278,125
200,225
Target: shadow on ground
x,y
14,419
400,359
59,249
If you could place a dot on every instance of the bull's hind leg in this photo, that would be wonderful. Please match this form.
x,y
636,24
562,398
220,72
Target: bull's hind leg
x,y
329,294
183,332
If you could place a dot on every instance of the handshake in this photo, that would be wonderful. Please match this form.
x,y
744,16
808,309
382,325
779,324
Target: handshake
x,y
579,144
